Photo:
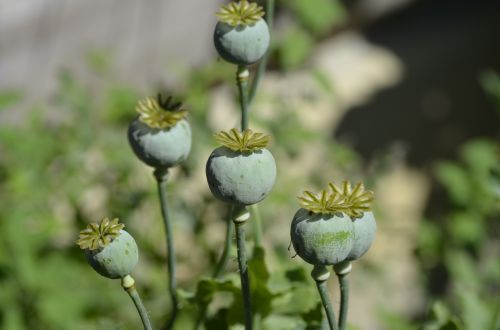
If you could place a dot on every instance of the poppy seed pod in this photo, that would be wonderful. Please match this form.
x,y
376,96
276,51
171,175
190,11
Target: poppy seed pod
x,y
165,147
242,44
160,136
109,249
322,239
240,178
117,259
242,171
336,226
241,36
364,234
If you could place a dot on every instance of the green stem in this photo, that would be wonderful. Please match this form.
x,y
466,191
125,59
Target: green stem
x,y
257,224
221,265
240,216
161,175
320,274
342,270
263,62
242,75
128,285
344,300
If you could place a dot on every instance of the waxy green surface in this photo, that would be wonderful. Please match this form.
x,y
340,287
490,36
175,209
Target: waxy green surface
x,y
364,234
322,239
117,259
240,178
160,147
242,45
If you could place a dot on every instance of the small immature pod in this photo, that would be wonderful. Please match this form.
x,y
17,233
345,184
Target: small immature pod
x,y
109,249
160,136
241,36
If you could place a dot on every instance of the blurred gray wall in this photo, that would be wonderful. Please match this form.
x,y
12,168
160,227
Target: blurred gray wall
x,y
149,41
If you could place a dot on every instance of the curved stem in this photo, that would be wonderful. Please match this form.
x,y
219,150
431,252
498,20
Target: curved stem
x,y
320,274
240,215
128,285
342,270
221,265
257,224
161,176
242,75
263,62
344,300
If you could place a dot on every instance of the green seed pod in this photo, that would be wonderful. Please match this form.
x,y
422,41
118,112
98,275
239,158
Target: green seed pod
x,y
322,238
160,147
242,171
160,136
117,259
109,249
364,233
240,178
242,45
241,36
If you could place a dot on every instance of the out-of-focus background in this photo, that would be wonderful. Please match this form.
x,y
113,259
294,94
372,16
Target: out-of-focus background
x,y
402,94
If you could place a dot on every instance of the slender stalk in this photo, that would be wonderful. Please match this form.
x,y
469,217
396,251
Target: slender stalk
x,y
344,300
242,75
257,224
226,253
263,62
320,274
161,175
240,216
128,284
342,270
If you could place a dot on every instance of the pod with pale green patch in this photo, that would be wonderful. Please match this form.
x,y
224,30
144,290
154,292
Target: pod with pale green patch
x,y
322,238
117,259
364,234
243,178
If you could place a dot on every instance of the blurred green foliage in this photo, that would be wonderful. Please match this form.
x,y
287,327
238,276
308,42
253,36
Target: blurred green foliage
x,y
68,163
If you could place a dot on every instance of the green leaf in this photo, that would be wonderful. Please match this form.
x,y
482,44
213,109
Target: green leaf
x,y
281,322
259,278
295,45
9,98
463,269
490,81
466,228
480,156
456,181
318,16
440,318
476,313
394,321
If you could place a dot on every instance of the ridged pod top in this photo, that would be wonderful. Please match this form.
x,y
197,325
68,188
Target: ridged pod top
x,y
240,13
246,141
99,235
160,113
353,201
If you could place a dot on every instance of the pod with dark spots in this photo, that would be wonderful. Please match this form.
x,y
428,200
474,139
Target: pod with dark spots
x,y
243,178
242,44
322,238
364,233
116,259
160,147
